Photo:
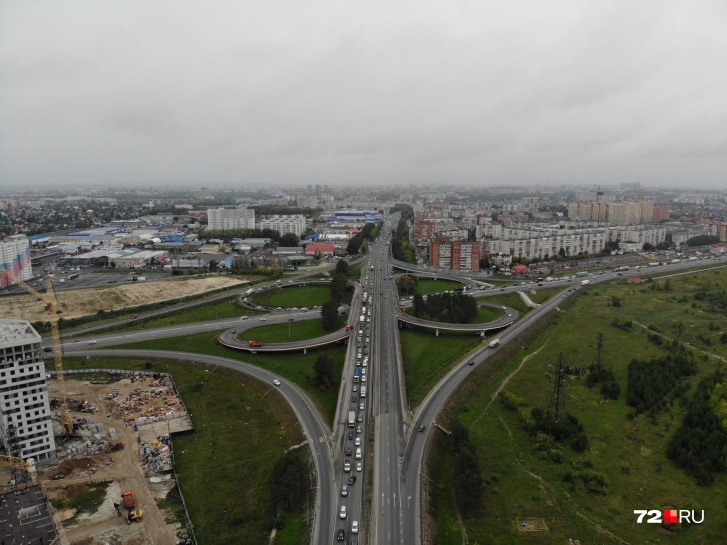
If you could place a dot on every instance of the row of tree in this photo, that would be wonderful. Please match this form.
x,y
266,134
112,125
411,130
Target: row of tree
x,y
359,242
338,287
466,472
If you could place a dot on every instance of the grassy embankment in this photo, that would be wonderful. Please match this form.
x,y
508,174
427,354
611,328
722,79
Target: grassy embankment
x,y
290,332
242,426
427,358
301,296
425,287
525,477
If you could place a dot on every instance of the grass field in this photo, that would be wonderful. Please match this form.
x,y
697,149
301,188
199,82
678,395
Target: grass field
x,y
527,478
212,311
425,287
297,331
428,358
303,296
241,427
484,314
297,367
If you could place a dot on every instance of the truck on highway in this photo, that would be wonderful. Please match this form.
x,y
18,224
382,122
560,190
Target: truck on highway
x,y
253,342
494,343
352,418
585,282
363,391
356,374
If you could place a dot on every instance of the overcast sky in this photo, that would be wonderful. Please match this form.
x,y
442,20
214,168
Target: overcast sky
x,y
267,92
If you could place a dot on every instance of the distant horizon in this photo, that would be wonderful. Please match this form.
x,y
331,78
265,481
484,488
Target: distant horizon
x,y
76,188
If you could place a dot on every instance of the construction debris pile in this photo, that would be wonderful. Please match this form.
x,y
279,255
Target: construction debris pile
x,y
159,401
93,440
156,456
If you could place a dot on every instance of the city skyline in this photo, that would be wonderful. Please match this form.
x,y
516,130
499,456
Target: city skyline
x,y
480,94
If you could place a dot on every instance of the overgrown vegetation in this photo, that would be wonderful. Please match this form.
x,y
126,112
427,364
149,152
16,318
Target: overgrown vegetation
x,y
466,472
700,444
649,382
290,480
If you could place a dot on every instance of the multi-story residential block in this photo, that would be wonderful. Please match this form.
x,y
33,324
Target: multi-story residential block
x,y
294,223
26,428
455,255
14,258
231,218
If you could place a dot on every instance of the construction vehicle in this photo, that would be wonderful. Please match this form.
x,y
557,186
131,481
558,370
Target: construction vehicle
x,y
254,343
116,446
51,303
128,500
135,515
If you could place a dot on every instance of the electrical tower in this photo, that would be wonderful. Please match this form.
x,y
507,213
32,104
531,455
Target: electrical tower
x,y
557,398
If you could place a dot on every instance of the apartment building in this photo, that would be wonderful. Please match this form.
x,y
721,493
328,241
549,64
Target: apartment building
x,y
231,218
456,256
26,428
294,223
15,258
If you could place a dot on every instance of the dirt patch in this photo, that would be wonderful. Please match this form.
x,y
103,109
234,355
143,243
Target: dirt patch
x,y
83,302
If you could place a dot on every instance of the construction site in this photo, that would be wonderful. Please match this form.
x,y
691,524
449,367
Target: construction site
x,y
109,476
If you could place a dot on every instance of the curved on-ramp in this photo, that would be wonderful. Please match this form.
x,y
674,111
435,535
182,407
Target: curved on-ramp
x,y
229,340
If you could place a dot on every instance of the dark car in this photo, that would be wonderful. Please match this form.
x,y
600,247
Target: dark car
x,y
352,479
341,535
349,451
350,436
421,428
354,399
472,362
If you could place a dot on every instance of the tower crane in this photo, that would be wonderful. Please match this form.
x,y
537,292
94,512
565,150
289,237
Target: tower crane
x,y
23,470
49,298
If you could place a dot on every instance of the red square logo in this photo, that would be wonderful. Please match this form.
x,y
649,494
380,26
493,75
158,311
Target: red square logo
x,y
670,516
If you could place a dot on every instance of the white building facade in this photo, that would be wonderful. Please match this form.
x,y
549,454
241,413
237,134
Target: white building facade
x,y
294,223
24,404
231,218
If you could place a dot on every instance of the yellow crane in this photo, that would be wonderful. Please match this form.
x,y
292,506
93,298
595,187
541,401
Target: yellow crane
x,y
18,464
49,298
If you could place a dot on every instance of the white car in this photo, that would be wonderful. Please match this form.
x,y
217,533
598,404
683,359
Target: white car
x,y
243,317
276,382
354,527
91,342
357,442
264,319
359,468
343,513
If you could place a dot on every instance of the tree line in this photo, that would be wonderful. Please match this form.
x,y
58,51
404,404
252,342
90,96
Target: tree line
x,y
699,446
453,308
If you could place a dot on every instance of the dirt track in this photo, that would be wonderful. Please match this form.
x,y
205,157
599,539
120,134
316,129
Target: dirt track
x,y
82,302
122,467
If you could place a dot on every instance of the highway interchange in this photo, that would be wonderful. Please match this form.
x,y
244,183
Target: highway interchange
x,y
392,447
